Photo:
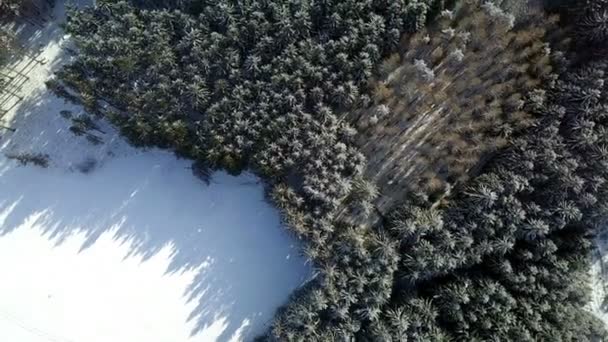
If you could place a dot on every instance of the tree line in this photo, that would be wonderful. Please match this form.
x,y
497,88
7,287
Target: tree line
x,y
268,85
259,84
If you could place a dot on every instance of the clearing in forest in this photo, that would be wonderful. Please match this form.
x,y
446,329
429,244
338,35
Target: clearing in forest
x,y
100,241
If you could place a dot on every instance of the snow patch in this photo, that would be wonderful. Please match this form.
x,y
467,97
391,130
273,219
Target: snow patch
x,y
140,250
599,279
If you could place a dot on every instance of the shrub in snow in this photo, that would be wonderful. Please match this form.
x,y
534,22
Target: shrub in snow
x,y
27,158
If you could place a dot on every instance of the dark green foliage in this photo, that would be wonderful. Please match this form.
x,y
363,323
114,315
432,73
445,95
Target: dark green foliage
x,y
183,5
592,22
506,257
257,84
10,8
267,84
353,284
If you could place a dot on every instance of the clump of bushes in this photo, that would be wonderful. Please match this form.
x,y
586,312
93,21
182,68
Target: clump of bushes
x,y
26,158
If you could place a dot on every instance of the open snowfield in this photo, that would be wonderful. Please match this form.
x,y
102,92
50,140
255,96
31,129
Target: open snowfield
x,y
136,249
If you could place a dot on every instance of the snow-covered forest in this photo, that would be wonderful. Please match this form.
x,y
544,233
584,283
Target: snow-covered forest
x,y
106,242
299,170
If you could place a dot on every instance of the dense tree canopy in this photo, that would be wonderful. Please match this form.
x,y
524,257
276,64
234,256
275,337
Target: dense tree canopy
x,y
269,85
522,230
453,96
259,84
9,7
504,257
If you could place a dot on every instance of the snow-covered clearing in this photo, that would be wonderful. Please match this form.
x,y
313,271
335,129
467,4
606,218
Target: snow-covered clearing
x,y
135,250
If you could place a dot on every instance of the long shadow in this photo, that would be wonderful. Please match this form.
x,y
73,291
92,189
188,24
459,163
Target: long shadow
x,y
246,264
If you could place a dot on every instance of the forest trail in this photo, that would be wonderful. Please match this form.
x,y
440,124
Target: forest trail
x,y
113,243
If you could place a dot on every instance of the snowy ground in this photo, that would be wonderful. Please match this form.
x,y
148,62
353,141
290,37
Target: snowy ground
x,y
137,249
599,279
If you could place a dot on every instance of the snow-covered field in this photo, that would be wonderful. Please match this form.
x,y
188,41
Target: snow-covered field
x,y
137,249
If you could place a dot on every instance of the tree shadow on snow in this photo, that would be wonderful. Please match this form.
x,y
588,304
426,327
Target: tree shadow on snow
x,y
246,265
225,232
